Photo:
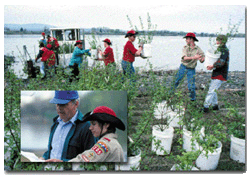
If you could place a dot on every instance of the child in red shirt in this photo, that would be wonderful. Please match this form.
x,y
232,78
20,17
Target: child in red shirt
x,y
108,53
129,54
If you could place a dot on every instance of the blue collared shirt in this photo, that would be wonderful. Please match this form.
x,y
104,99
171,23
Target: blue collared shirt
x,y
59,136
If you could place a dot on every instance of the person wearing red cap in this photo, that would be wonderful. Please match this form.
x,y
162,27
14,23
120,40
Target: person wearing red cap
x,y
55,46
191,53
43,40
77,59
47,58
103,125
108,55
129,54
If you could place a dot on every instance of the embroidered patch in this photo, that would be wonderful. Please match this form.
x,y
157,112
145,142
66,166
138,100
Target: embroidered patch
x,y
96,149
84,158
106,139
103,146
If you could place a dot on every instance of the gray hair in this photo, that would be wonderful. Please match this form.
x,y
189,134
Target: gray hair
x,y
74,101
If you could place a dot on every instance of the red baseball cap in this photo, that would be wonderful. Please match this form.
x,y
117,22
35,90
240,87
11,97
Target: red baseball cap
x,y
192,35
43,33
130,33
104,114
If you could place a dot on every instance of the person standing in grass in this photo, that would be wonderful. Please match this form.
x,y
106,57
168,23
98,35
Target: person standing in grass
x,y
77,59
219,74
191,54
108,55
129,54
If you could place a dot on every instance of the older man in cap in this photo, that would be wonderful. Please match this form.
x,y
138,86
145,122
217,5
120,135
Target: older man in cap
x,y
191,54
70,135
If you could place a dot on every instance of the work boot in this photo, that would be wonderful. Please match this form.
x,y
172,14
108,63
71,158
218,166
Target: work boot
x,y
216,107
205,110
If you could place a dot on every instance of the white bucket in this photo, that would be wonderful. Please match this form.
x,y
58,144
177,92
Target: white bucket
x,y
176,165
209,162
133,163
211,57
147,50
94,54
237,149
64,59
187,140
173,119
165,137
161,110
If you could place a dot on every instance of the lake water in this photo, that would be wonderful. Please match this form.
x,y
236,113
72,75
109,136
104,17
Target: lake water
x,y
166,50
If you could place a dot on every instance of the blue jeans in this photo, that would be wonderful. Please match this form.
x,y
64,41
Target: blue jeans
x,y
190,80
128,69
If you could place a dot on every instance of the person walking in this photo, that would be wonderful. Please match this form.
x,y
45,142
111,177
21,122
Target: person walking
x,y
103,125
191,53
219,74
77,59
69,135
129,54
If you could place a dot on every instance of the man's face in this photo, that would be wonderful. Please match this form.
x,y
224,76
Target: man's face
x,y
67,111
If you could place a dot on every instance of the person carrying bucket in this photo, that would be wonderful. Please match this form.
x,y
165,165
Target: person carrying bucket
x,y
191,53
219,74
129,54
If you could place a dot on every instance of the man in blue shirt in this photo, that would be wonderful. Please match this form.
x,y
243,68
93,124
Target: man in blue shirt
x,y
69,135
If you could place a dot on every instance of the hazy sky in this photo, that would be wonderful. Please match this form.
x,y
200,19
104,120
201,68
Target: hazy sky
x,y
195,18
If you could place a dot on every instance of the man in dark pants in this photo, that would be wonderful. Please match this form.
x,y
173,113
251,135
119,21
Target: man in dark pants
x,y
69,135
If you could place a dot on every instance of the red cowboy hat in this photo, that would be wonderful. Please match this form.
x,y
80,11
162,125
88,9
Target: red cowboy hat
x,y
78,42
104,114
107,41
192,35
130,33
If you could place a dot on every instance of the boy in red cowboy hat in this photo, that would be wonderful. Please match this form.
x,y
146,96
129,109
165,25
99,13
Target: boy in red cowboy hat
x,y
191,53
129,53
103,125
108,53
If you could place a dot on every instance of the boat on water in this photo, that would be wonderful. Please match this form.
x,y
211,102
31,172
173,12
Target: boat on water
x,y
66,38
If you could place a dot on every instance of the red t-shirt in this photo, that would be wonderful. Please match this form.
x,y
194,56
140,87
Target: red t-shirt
x,y
48,56
109,56
129,52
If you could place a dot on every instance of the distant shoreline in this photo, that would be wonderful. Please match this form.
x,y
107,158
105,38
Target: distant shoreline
x,y
157,33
